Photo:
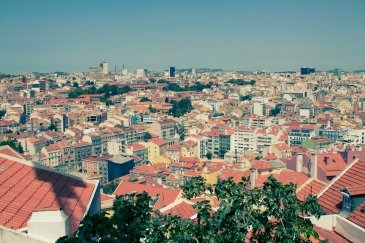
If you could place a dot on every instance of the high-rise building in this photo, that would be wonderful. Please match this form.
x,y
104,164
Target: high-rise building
x,y
307,70
259,109
171,72
104,67
94,72
141,73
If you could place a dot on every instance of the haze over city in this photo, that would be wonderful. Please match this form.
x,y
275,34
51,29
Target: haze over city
x,y
39,35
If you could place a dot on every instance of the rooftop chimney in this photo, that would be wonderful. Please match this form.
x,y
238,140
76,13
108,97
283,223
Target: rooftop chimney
x,y
48,224
299,162
326,158
253,177
313,165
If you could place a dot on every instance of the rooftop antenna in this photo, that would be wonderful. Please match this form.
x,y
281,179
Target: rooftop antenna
x,y
115,69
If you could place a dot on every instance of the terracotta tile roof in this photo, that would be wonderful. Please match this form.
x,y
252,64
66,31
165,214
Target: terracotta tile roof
x,y
53,147
329,235
356,190
146,169
330,199
11,152
106,197
189,159
165,196
183,165
286,176
311,188
183,209
357,216
25,188
174,147
192,173
157,141
189,144
281,146
331,163
166,121
235,174
270,156
82,144
261,165
137,146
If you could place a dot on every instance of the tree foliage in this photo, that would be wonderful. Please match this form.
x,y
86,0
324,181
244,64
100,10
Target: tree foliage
x,y
147,136
13,144
2,113
145,99
198,87
152,110
245,97
52,127
89,83
107,89
270,214
275,111
241,82
180,108
209,155
110,187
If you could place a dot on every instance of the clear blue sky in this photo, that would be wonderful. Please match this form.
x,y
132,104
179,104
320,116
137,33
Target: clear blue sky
x,y
71,35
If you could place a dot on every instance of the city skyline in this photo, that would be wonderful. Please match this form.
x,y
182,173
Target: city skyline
x,y
265,35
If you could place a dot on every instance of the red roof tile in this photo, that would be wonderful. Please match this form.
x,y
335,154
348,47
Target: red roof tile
x,y
281,146
183,209
331,163
330,199
329,235
165,196
261,165
11,152
312,188
157,141
24,188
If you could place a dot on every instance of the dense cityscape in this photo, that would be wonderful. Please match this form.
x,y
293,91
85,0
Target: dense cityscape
x,y
182,121
127,132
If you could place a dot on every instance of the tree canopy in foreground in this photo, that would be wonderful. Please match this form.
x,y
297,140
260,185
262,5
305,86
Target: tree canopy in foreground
x,y
270,214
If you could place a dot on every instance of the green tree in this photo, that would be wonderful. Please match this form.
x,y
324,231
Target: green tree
x,y
209,155
2,113
107,89
173,87
147,136
106,101
145,99
180,108
275,111
110,187
89,83
270,214
162,81
152,110
52,127
38,102
75,84
13,144
241,82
